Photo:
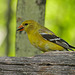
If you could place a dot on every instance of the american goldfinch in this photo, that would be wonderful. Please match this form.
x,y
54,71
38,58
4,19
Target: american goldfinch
x,y
43,38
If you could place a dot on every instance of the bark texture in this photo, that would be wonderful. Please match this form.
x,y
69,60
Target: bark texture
x,y
28,10
50,63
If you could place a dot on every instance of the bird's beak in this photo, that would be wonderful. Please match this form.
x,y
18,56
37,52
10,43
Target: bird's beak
x,y
20,28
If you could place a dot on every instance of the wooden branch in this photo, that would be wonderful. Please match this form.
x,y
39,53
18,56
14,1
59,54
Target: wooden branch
x,y
50,63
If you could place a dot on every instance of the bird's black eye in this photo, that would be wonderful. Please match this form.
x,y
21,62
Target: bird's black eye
x,y
26,24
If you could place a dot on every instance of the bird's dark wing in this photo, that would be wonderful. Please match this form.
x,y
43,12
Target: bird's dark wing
x,y
57,40
50,36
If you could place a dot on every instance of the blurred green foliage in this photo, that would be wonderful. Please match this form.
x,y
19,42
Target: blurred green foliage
x,y
7,7
60,18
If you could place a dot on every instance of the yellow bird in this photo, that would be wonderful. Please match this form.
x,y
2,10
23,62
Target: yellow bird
x,y
43,38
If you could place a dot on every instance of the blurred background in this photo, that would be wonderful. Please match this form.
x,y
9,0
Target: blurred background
x,y
7,25
59,17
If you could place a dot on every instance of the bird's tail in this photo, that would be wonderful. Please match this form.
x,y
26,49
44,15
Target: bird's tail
x,y
72,47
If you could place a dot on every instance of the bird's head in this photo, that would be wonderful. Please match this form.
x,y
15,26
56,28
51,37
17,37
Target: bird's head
x,y
28,26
